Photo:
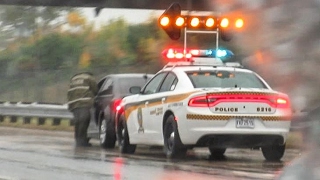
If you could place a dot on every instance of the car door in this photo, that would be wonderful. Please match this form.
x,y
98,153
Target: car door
x,y
149,101
103,96
156,112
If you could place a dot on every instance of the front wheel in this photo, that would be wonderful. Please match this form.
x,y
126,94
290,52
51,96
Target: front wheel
x,y
274,152
173,146
123,137
107,133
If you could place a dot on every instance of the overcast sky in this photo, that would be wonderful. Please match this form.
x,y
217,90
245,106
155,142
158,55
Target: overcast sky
x,y
133,16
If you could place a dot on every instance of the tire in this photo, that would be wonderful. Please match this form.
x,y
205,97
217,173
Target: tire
x,y
123,137
107,135
274,152
173,146
217,152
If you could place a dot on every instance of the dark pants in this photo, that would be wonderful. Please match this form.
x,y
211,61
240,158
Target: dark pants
x,y
81,124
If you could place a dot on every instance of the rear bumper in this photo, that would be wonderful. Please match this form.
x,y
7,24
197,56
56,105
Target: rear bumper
x,y
226,134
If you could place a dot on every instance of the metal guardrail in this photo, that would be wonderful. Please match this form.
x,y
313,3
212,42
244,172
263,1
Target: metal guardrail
x,y
35,110
60,111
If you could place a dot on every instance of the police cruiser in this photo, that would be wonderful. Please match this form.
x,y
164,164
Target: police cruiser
x,y
203,102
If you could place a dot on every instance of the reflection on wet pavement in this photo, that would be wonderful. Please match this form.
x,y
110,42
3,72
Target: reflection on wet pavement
x,y
53,155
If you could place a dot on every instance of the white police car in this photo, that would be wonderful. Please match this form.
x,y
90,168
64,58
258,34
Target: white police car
x,y
201,103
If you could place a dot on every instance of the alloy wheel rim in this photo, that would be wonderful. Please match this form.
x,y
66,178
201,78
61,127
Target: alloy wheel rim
x,y
170,141
103,131
122,136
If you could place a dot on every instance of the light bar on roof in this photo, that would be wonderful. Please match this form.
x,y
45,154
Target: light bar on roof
x,y
181,54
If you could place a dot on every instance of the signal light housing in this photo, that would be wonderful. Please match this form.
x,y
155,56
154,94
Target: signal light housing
x,y
194,22
164,21
210,22
172,22
180,22
239,23
224,23
201,22
169,19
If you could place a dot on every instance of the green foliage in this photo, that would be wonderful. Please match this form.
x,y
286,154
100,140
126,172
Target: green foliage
x,y
46,59
56,50
5,59
51,52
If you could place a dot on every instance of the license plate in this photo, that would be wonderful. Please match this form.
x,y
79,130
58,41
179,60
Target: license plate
x,y
245,123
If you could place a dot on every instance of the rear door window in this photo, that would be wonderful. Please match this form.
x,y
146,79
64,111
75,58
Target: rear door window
x,y
107,87
169,83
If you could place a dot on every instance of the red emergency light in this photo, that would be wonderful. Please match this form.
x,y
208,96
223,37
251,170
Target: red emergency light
x,y
178,54
173,54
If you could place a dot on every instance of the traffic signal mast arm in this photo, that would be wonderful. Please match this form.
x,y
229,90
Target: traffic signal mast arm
x,y
188,31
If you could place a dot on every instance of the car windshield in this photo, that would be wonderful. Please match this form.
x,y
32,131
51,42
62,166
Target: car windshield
x,y
225,79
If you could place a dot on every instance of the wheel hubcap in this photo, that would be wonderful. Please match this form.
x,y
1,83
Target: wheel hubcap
x,y
103,130
171,141
122,137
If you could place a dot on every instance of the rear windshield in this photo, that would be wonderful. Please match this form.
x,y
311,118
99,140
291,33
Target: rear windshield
x,y
224,79
127,82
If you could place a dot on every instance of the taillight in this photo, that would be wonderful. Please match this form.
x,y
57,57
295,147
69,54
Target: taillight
x,y
198,101
202,101
116,104
282,102
275,101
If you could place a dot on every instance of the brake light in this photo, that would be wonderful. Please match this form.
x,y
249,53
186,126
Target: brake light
x,y
274,101
116,104
282,102
202,101
198,102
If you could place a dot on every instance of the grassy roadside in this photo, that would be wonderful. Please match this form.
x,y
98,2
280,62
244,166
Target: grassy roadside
x,y
33,123
42,127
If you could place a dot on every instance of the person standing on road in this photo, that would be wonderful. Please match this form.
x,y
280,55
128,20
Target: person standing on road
x,y
83,89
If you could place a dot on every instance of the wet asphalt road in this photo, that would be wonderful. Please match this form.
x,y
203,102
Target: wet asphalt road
x,y
37,154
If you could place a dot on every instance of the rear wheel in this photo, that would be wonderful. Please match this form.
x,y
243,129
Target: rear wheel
x,y
123,137
173,146
217,152
274,152
107,134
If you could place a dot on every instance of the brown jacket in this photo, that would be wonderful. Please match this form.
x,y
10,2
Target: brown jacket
x,y
83,89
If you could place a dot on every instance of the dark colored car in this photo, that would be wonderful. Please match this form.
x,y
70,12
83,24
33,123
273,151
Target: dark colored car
x,y
112,88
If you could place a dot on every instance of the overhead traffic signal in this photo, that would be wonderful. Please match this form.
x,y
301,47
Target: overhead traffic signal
x,y
171,21
226,32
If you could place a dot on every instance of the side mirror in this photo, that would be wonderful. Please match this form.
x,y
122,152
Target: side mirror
x,y
135,89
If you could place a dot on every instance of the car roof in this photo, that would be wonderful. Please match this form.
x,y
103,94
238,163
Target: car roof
x,y
204,67
127,75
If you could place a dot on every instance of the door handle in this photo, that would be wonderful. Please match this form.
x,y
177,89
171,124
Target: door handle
x,y
163,100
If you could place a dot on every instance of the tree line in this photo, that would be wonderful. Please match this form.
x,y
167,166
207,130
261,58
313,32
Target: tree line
x,y
42,46
52,38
